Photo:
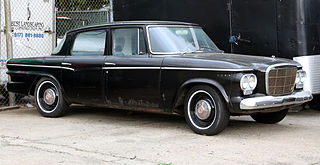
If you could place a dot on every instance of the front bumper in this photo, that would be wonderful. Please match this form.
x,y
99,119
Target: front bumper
x,y
264,102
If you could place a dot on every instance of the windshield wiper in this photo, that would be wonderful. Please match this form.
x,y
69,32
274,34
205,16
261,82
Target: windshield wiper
x,y
214,49
196,51
201,50
206,47
190,52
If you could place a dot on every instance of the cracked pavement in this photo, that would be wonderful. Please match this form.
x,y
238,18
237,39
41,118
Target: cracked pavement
x,y
105,136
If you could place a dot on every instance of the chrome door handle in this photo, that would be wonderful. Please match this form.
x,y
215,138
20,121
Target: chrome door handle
x,y
66,64
109,64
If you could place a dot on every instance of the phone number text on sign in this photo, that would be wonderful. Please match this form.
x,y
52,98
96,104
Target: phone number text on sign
x,y
28,35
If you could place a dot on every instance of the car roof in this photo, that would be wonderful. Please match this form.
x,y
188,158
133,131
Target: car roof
x,y
120,23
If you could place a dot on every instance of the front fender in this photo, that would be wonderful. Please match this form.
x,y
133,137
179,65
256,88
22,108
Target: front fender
x,y
204,81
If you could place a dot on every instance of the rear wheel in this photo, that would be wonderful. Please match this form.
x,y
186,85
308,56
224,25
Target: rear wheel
x,y
49,98
205,110
270,118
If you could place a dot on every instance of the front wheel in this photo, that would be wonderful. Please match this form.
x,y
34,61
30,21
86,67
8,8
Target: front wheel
x,y
270,118
205,110
49,99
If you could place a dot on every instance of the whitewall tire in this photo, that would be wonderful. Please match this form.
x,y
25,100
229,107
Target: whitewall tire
x,y
49,98
205,110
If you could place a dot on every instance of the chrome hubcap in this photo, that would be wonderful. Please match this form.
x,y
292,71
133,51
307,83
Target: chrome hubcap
x,y
49,96
203,109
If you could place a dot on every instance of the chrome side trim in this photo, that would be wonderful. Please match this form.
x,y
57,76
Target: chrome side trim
x,y
42,66
275,101
274,66
139,68
206,69
67,64
129,68
179,68
108,63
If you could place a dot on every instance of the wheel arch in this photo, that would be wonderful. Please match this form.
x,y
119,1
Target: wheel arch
x,y
186,86
42,75
28,80
38,77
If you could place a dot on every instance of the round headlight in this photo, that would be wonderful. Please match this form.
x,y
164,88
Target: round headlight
x,y
300,77
244,83
252,81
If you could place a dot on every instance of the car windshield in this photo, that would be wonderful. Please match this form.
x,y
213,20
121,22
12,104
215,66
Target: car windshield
x,y
176,39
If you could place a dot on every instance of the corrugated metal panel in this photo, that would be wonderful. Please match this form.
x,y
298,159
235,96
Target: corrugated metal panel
x,y
311,64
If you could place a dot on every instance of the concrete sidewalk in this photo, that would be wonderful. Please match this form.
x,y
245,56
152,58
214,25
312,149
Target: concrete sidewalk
x,y
100,136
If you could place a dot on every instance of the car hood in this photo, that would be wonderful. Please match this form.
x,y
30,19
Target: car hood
x,y
238,61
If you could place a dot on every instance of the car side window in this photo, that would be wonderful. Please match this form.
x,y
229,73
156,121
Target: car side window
x,y
91,43
128,42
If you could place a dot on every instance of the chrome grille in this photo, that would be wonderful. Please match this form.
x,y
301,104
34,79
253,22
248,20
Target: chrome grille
x,y
280,81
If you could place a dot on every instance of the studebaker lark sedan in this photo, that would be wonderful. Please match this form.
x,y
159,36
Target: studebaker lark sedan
x,y
163,67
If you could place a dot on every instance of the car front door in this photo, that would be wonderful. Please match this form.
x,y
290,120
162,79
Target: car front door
x,y
132,76
84,83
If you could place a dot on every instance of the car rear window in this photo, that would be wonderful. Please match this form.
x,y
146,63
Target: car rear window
x,y
90,43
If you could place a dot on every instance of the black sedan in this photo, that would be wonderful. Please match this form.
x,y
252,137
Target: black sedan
x,y
163,67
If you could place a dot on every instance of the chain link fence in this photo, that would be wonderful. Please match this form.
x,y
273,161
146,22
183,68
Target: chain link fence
x,y
37,25
4,95
78,13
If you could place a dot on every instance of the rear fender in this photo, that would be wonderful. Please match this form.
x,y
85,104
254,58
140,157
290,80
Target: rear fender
x,y
36,76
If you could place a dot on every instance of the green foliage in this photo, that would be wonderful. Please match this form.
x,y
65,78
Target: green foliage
x,y
165,164
80,5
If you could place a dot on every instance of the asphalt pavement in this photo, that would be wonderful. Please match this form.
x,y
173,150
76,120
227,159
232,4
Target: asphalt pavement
x,y
106,136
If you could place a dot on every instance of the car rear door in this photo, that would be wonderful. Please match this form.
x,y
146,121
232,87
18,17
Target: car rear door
x,y
132,76
84,84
